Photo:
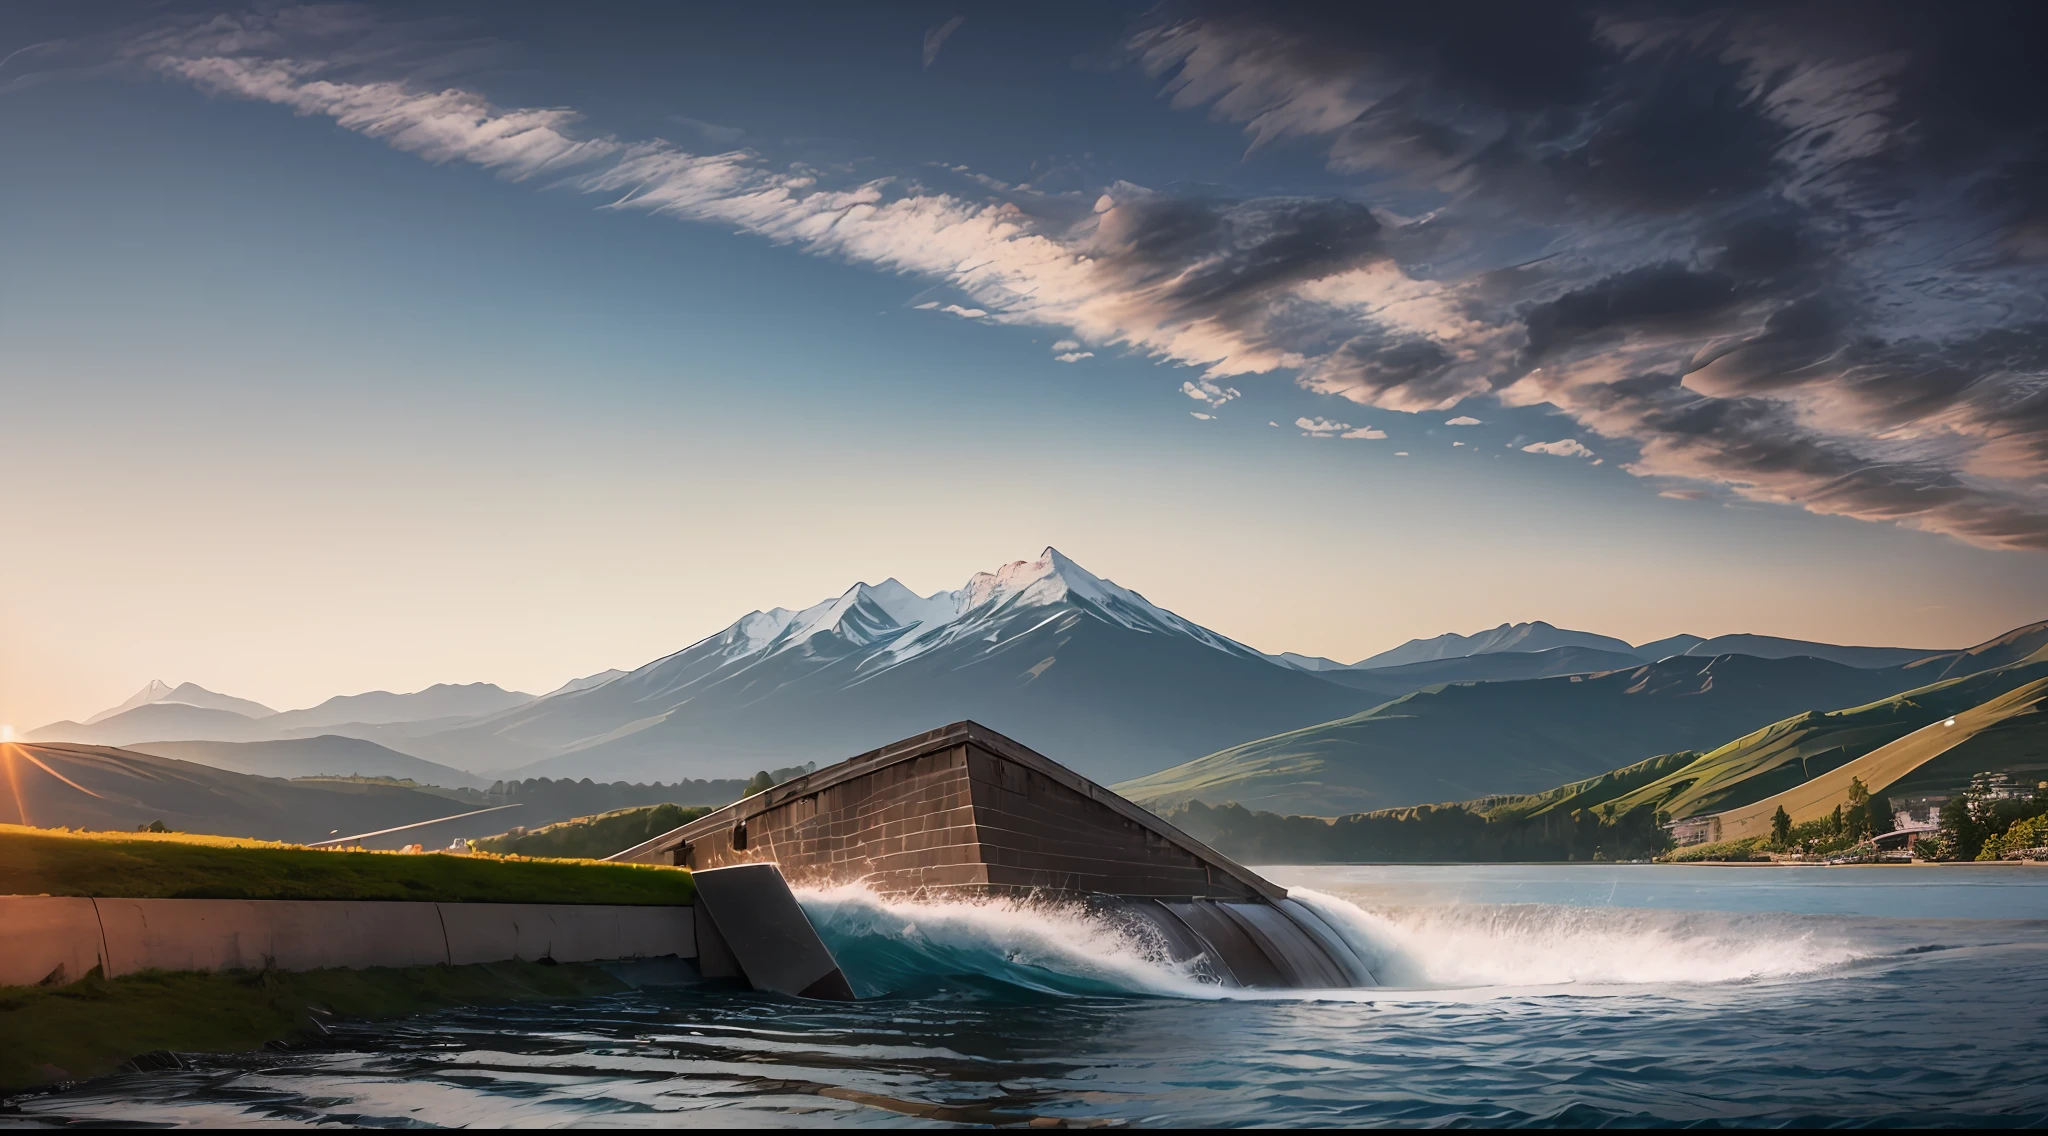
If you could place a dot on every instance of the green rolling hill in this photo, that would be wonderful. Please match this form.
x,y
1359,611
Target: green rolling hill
x,y
1462,741
1502,741
2008,734
1797,750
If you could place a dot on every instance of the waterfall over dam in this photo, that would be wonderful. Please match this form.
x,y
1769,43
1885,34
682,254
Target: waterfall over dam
x,y
965,813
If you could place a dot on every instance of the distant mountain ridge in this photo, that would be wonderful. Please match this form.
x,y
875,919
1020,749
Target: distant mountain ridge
x,y
382,707
186,694
1518,637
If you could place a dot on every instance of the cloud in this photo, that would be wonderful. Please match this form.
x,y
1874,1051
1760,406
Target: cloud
x,y
1365,432
1780,247
1321,427
1757,248
935,37
1401,453
1209,391
1463,420
1067,345
1073,356
1202,416
1565,448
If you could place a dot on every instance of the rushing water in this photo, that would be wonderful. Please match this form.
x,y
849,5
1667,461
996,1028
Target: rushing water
x,y
1515,995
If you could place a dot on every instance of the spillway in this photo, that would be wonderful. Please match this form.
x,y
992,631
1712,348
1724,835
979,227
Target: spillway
x,y
965,812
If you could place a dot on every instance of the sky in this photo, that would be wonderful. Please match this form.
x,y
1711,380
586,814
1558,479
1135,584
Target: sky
x,y
350,347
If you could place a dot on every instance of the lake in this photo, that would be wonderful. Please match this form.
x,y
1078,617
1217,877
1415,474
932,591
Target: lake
x,y
1566,995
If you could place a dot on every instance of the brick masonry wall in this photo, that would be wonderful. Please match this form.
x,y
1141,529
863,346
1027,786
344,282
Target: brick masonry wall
x,y
961,818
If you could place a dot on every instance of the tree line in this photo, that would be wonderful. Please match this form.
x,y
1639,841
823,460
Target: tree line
x,y
1426,833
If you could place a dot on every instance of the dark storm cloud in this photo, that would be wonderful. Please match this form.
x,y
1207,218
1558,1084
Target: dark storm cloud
x,y
1201,259
1665,298
1790,248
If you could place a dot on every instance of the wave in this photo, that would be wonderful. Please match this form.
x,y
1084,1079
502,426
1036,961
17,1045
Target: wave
x,y
891,946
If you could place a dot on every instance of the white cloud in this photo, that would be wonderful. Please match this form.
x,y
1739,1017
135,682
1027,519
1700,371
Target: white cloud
x,y
1202,416
1455,445
1365,432
1564,448
1401,454
1463,420
1209,391
1321,427
1067,345
964,313
1073,356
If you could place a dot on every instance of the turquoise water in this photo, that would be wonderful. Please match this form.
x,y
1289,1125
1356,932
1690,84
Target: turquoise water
x,y
1517,995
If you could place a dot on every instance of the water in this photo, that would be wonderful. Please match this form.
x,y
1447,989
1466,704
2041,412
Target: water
x,y
1570,995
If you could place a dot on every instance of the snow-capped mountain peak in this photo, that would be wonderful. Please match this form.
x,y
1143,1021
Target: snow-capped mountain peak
x,y
1050,578
907,607
878,627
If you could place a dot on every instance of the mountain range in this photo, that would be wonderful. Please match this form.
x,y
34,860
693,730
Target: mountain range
x,y
1539,637
1089,671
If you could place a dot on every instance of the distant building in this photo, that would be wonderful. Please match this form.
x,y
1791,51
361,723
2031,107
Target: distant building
x,y
1695,830
1921,811
1987,789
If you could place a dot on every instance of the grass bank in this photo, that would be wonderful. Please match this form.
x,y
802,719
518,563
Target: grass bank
x,y
92,1027
35,861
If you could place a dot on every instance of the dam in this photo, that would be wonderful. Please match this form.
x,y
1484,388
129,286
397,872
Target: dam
x,y
963,812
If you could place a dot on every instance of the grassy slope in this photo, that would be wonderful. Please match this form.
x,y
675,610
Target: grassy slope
x,y
77,786
91,1027
2007,730
1588,793
594,837
1789,753
179,866
1467,741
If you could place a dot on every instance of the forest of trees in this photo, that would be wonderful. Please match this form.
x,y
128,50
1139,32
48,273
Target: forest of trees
x,y
1427,833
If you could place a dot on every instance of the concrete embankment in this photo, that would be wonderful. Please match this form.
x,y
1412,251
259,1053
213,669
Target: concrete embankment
x,y
56,939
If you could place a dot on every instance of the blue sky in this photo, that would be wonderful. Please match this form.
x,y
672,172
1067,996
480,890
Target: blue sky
x,y
344,349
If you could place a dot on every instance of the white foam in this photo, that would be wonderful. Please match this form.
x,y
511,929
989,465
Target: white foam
x,y
888,945
1466,945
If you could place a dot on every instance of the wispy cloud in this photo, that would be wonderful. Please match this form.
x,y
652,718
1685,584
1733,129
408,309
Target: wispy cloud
x,y
935,38
1463,420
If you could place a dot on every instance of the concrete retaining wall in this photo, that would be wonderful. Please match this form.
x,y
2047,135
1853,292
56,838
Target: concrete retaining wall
x,y
41,934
